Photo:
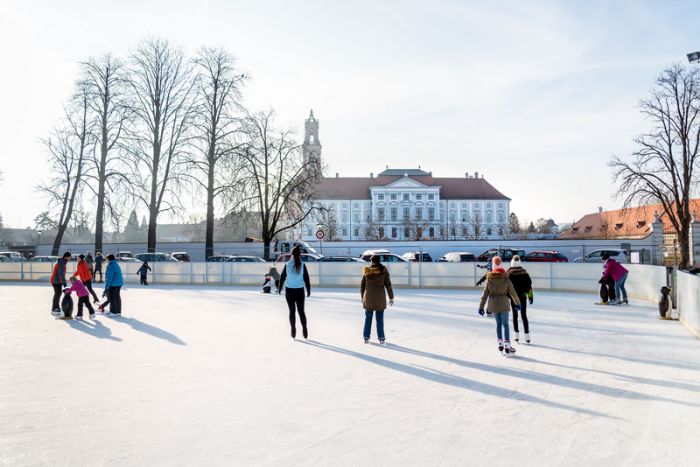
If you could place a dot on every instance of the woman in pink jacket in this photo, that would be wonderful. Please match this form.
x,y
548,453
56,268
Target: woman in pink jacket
x,y
83,296
618,273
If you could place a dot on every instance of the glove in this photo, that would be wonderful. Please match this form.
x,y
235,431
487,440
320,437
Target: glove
x,y
308,293
517,307
391,302
481,311
104,293
530,300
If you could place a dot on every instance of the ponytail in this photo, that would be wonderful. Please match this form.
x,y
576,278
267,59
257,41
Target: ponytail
x,y
296,254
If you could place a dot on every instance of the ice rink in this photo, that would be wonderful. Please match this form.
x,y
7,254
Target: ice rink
x,y
207,376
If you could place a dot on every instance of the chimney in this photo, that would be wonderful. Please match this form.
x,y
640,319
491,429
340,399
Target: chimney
x,y
466,174
476,175
337,175
600,210
371,176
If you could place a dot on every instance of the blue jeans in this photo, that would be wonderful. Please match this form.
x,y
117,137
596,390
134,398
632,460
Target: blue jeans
x,y
502,320
620,286
368,323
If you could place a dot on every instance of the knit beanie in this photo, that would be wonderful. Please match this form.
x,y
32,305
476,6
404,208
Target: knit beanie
x,y
515,262
496,262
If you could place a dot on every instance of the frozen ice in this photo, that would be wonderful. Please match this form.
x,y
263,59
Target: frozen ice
x,y
210,376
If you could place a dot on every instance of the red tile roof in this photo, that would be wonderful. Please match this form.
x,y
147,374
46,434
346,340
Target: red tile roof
x,y
450,188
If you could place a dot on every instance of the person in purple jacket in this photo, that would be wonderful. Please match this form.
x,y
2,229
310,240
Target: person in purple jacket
x,y
617,273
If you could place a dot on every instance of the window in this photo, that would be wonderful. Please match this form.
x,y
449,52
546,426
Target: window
x,y
453,232
465,206
345,232
464,231
500,231
394,233
406,232
453,216
419,213
393,196
431,232
356,217
406,213
501,217
380,196
419,196
357,232
309,232
406,197
419,232
589,228
431,196
344,217
380,214
431,214
345,205
394,214
488,231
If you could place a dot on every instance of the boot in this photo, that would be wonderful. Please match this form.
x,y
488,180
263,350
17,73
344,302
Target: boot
x,y
517,336
527,337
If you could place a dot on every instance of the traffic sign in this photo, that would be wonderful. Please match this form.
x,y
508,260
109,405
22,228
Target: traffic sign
x,y
320,234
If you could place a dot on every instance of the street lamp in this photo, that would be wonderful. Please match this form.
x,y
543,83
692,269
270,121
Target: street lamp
x,y
38,241
693,57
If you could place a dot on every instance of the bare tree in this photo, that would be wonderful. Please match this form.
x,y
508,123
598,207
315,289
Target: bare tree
x,y
662,169
276,181
328,219
161,100
476,225
105,86
218,96
68,148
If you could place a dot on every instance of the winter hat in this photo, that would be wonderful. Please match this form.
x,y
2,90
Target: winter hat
x,y
515,262
496,262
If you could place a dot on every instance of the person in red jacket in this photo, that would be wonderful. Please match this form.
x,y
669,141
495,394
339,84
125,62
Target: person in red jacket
x,y
58,280
618,273
83,271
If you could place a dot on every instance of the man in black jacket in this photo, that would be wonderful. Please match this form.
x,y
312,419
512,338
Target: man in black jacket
x,y
523,287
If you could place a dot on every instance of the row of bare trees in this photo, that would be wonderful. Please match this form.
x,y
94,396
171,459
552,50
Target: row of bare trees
x,y
164,132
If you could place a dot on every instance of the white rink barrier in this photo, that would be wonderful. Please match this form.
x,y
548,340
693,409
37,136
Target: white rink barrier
x,y
688,301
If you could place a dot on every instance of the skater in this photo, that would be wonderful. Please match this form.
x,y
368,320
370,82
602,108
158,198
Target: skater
x,y
483,278
83,294
58,281
618,273
98,266
375,279
113,285
275,276
143,272
83,271
267,284
522,283
297,277
498,289
91,263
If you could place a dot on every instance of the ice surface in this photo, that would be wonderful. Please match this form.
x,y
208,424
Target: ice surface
x,y
210,376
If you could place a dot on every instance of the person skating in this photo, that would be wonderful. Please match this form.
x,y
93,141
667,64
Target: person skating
x,y
375,280
91,263
58,281
275,276
267,284
83,271
99,259
522,283
113,285
143,273
83,294
618,273
497,290
297,277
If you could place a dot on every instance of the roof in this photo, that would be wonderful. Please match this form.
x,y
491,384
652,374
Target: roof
x,y
450,188
401,172
632,222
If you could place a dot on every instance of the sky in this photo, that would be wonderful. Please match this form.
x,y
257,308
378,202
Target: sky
x,y
537,95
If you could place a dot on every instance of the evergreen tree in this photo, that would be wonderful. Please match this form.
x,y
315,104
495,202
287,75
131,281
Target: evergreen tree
x,y
531,228
513,223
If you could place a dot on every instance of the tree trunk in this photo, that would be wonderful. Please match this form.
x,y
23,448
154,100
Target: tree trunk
x,y
209,235
684,246
99,215
266,250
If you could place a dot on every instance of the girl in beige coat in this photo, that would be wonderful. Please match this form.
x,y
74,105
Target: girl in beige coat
x,y
498,291
375,279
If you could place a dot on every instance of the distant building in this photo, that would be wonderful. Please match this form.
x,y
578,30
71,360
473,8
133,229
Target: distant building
x,y
403,204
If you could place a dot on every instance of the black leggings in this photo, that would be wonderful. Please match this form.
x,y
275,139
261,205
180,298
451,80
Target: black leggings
x,y
85,301
523,310
88,285
295,298
57,292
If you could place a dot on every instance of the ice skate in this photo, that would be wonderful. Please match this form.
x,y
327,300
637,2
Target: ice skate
x,y
527,337
305,332
366,340
294,333
500,345
517,336
381,341
509,351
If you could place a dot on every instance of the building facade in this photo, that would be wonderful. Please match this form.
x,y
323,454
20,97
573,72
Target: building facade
x,y
403,204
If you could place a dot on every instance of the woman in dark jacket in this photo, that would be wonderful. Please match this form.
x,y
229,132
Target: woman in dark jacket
x,y
523,288
375,279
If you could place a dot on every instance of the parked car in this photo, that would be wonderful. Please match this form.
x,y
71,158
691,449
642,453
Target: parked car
x,y
506,254
305,257
340,259
126,259
458,257
182,256
44,259
596,256
123,254
220,259
384,256
417,256
155,258
546,256
246,259
285,246
13,256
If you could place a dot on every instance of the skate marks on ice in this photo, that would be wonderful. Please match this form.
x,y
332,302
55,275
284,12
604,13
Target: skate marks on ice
x,y
455,381
545,378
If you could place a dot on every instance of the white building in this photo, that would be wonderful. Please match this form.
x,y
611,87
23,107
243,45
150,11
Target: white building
x,y
403,204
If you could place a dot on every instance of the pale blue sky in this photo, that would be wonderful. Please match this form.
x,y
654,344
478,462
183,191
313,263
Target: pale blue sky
x,y
536,95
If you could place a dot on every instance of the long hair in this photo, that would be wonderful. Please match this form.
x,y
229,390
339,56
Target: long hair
x,y
296,254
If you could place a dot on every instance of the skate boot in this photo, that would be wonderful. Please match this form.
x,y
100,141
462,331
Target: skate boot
x,y
527,337
294,333
509,351
305,332
381,341
517,336
500,345
366,340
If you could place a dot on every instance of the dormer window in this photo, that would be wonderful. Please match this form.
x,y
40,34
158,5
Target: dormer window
x,y
641,224
618,226
574,229
588,228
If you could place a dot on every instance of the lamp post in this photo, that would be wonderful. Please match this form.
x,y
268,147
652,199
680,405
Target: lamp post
x,y
38,241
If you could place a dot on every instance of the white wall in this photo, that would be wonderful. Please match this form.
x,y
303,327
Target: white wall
x,y
688,301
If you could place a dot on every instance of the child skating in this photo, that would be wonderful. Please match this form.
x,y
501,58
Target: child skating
x,y
143,272
267,284
83,296
499,291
